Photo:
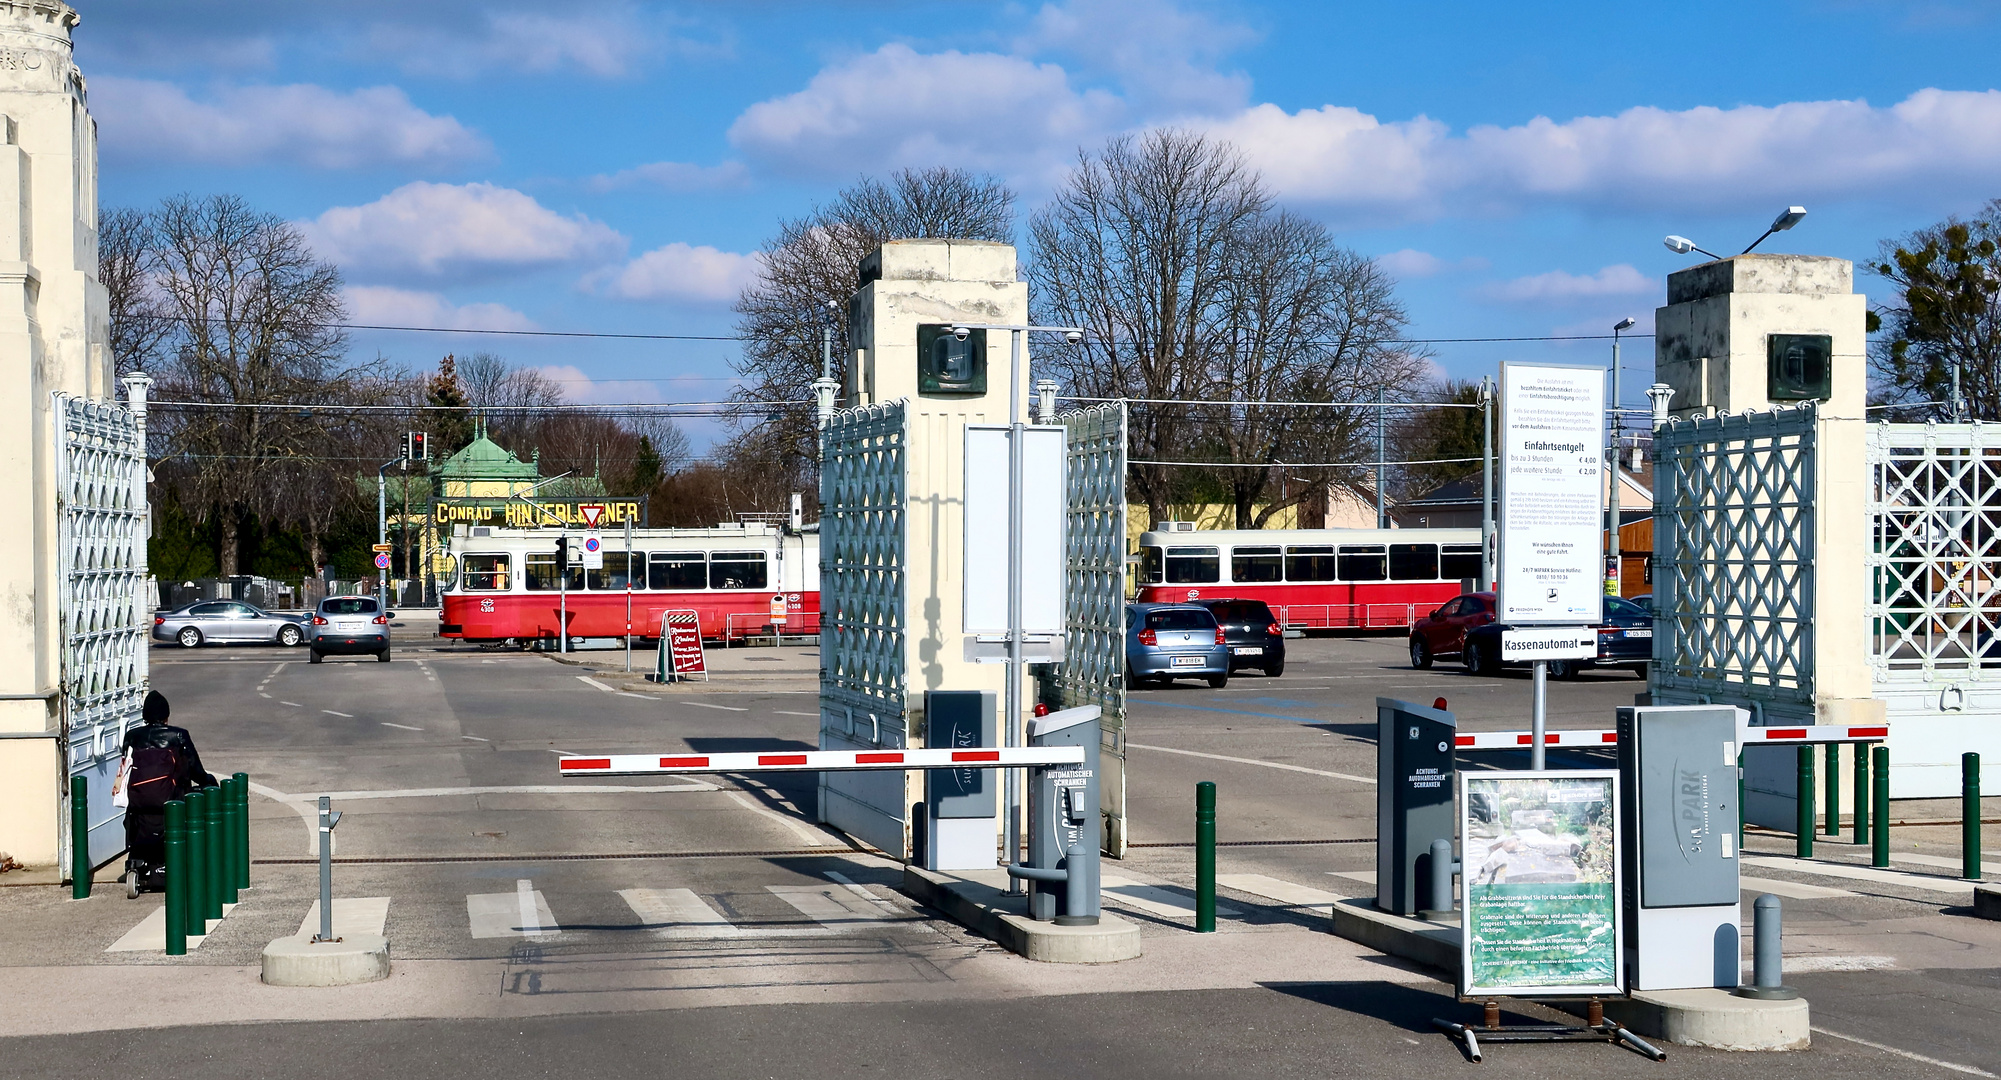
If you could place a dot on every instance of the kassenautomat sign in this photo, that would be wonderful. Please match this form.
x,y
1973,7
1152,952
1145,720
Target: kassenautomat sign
x,y
516,514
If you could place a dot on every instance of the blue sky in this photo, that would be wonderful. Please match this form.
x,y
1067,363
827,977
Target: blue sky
x,y
614,166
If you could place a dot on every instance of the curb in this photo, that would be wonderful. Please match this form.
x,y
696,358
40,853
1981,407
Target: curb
x,y
982,908
350,959
1987,901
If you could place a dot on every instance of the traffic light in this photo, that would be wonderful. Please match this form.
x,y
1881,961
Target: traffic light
x,y
414,446
562,557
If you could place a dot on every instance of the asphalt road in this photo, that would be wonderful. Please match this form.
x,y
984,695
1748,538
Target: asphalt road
x,y
443,761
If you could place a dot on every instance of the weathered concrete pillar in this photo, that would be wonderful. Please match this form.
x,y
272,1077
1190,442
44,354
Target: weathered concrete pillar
x,y
52,339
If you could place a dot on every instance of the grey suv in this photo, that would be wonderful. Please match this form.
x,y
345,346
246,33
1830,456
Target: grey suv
x,y
350,624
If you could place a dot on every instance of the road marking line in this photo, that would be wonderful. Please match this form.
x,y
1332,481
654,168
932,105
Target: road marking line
x,y
1285,892
150,935
405,727
475,738
588,681
642,697
1968,1069
1793,889
706,705
811,836
1864,873
1942,862
680,915
262,694
532,909
521,913
1806,964
1154,900
330,712
293,704
782,712
351,915
565,753
1254,761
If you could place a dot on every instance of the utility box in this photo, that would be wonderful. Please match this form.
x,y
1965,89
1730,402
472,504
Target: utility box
x,y
1683,892
960,804
1063,816
1415,786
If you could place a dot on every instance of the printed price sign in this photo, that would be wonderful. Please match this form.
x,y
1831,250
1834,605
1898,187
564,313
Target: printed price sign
x,y
1552,495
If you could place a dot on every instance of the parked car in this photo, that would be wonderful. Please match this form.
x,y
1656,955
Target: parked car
x,y
227,622
1625,639
1443,632
1252,632
350,624
1170,641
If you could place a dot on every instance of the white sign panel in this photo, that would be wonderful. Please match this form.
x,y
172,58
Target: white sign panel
x,y
1043,469
1563,643
1552,491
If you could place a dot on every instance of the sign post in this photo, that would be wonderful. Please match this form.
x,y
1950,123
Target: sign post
x,y
1552,539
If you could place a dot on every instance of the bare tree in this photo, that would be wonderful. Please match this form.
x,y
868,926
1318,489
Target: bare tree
x,y
138,326
809,271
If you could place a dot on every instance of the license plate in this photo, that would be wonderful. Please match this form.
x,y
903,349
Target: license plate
x,y
1639,633
348,626
1188,661
1249,650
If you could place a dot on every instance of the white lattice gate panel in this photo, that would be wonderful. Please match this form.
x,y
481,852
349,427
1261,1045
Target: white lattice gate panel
x,y
1734,559
104,615
862,656
1093,668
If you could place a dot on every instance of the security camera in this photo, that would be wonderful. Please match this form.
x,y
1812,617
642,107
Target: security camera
x,y
1074,337
961,332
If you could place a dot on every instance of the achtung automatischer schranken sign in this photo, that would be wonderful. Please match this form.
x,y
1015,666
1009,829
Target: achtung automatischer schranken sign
x,y
1552,467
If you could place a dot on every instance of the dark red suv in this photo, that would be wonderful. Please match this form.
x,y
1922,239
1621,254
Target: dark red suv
x,y
1443,632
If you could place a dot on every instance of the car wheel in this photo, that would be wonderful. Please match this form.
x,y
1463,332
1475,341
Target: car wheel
x,y
314,657
289,636
383,656
1217,682
1274,669
1562,669
1477,660
189,637
1420,653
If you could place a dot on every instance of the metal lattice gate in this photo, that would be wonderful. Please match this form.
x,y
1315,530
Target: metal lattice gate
x,y
1093,668
1734,562
104,611
862,632
1935,596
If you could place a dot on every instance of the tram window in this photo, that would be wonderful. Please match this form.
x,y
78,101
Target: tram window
x,y
678,570
737,570
1363,562
1149,566
486,573
1193,565
1413,562
541,573
1256,564
1310,563
1459,561
615,573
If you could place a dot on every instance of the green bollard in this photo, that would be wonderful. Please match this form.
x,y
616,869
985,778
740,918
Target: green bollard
x,y
1969,815
227,864
177,878
196,875
242,830
1832,783
79,838
1861,794
1803,801
1205,857
1879,842
217,851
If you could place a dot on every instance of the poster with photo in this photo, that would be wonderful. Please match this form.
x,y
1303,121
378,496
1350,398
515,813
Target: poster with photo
x,y
1540,860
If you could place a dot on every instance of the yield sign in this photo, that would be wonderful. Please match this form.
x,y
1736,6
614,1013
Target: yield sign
x,y
592,513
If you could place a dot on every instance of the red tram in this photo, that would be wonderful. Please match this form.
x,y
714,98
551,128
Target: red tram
x,y
1314,578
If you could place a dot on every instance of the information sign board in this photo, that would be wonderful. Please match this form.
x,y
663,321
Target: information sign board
x,y
593,553
1043,461
1552,494
1557,643
1541,867
681,646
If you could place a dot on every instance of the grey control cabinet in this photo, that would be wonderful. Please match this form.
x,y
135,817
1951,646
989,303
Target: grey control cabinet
x,y
960,804
1063,816
1679,767
1414,797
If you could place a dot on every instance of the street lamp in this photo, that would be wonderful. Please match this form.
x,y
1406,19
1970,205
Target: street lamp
x,y
1682,245
1615,571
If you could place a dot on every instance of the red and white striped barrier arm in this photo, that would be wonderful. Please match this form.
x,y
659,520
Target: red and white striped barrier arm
x,y
821,761
1816,733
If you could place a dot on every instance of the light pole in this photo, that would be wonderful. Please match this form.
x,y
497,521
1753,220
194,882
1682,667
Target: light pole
x,y
1615,570
1487,481
1016,435
1682,245
382,528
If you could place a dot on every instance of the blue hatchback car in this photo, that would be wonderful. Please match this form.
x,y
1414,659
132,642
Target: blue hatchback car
x,y
1165,642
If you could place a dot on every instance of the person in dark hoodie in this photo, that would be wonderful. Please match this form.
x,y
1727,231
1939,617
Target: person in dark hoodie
x,y
163,766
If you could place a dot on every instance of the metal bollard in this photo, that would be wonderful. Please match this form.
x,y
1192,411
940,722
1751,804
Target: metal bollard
x,y
1969,815
1767,953
326,869
212,824
176,837
195,876
1443,867
1803,801
1879,841
79,838
1861,793
1205,857
1832,784
227,863
243,830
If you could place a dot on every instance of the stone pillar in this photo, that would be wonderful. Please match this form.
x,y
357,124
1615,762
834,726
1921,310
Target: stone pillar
x,y
52,339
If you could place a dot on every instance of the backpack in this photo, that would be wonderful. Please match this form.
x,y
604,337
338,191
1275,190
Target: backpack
x,y
155,777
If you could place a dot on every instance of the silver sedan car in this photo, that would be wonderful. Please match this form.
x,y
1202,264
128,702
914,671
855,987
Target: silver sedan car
x,y
230,622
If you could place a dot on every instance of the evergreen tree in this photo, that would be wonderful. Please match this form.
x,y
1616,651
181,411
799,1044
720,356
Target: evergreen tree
x,y
446,412
646,467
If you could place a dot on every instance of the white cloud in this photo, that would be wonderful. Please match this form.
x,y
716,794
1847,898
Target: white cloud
x,y
676,176
1933,144
582,389
300,124
1559,287
605,41
682,272
425,230
1163,55
380,305
896,106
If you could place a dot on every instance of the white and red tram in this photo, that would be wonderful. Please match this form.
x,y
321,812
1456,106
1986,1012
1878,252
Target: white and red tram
x,y
1313,578
504,584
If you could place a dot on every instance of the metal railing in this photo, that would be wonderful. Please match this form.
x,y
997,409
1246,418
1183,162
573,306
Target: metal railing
x,y
1347,616
738,625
